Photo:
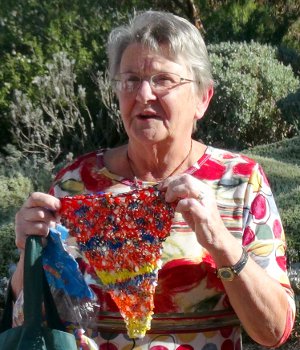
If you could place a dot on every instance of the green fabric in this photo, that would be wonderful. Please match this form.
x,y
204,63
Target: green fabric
x,y
32,335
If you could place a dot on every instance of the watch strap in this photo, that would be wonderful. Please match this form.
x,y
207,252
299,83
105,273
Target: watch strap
x,y
238,267
228,272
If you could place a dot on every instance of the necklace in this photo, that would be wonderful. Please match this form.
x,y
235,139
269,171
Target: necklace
x,y
135,179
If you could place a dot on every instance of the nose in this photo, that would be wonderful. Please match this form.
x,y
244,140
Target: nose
x,y
145,92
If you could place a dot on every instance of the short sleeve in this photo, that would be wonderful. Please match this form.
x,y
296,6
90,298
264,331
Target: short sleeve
x,y
264,236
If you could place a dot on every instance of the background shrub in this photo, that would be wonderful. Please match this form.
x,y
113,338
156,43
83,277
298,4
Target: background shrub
x,y
256,97
34,32
13,192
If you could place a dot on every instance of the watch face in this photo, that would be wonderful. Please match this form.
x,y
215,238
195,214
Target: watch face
x,y
226,274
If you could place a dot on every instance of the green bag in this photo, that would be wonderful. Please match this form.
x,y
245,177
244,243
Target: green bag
x,y
32,335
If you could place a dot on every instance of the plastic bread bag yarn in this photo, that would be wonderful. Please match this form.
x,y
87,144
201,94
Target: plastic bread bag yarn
x,y
121,236
75,301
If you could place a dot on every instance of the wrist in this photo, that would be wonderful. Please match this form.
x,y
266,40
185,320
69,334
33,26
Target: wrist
x,y
228,273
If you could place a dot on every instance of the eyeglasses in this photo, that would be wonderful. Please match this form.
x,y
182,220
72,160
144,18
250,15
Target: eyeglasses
x,y
160,82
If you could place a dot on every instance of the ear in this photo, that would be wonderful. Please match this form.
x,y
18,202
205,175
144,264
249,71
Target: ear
x,y
203,102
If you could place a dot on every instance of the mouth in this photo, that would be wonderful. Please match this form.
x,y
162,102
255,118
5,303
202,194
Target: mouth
x,y
148,116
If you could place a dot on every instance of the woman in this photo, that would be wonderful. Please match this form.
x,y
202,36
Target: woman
x,y
226,248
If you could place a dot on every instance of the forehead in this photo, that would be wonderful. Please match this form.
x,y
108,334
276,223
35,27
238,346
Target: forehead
x,y
138,58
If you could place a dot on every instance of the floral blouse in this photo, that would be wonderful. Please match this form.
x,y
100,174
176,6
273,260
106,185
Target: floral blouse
x,y
191,310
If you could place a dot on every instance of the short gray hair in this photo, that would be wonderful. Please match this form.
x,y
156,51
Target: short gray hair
x,y
153,29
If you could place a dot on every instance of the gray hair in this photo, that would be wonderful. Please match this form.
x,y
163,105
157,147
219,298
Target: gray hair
x,y
154,29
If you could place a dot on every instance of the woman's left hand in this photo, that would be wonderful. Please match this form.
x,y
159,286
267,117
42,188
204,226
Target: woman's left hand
x,y
198,207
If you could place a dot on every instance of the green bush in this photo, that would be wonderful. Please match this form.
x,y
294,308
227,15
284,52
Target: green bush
x,y
291,38
255,97
13,192
8,257
33,32
285,150
263,21
14,189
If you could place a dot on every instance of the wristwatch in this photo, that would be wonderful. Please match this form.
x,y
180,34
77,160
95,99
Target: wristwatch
x,y
228,273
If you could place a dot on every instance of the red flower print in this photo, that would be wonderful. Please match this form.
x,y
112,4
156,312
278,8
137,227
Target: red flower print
x,y
277,229
226,331
91,176
281,261
210,170
227,345
183,275
243,169
229,156
259,207
248,236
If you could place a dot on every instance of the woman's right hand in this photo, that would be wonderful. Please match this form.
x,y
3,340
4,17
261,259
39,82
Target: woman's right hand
x,y
36,216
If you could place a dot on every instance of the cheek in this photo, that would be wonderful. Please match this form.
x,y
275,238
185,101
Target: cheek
x,y
125,106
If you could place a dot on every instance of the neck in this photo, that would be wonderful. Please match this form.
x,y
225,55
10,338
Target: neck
x,y
158,168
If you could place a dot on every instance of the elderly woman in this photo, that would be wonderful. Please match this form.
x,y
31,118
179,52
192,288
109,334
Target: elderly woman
x,y
223,263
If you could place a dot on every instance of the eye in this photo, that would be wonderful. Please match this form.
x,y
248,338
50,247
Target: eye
x,y
165,79
131,78
130,82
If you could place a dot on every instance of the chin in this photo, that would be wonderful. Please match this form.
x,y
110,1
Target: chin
x,y
150,136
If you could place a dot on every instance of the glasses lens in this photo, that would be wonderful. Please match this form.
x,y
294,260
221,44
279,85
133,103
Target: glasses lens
x,y
165,81
127,82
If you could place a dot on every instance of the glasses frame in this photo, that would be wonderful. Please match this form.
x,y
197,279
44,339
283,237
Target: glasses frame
x,y
156,89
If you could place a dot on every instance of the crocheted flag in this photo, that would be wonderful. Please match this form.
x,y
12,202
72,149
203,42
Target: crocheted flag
x,y
121,236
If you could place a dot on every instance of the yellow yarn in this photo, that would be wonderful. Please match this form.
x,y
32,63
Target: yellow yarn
x,y
109,277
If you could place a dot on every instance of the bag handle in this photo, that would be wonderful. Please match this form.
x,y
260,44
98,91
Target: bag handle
x,y
36,290
33,286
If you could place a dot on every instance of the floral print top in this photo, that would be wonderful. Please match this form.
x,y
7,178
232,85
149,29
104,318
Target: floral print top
x,y
192,310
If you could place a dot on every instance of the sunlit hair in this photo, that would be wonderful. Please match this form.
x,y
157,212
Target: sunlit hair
x,y
155,29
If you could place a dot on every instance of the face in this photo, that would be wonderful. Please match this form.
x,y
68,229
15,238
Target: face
x,y
158,117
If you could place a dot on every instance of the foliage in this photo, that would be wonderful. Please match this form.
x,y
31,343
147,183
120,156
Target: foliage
x,y
13,192
58,112
33,32
58,120
262,21
285,150
292,38
256,97
8,256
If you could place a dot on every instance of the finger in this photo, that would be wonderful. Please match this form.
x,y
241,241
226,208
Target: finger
x,y
177,191
23,231
37,214
188,207
162,186
40,199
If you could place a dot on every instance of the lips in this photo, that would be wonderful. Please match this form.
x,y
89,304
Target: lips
x,y
147,116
